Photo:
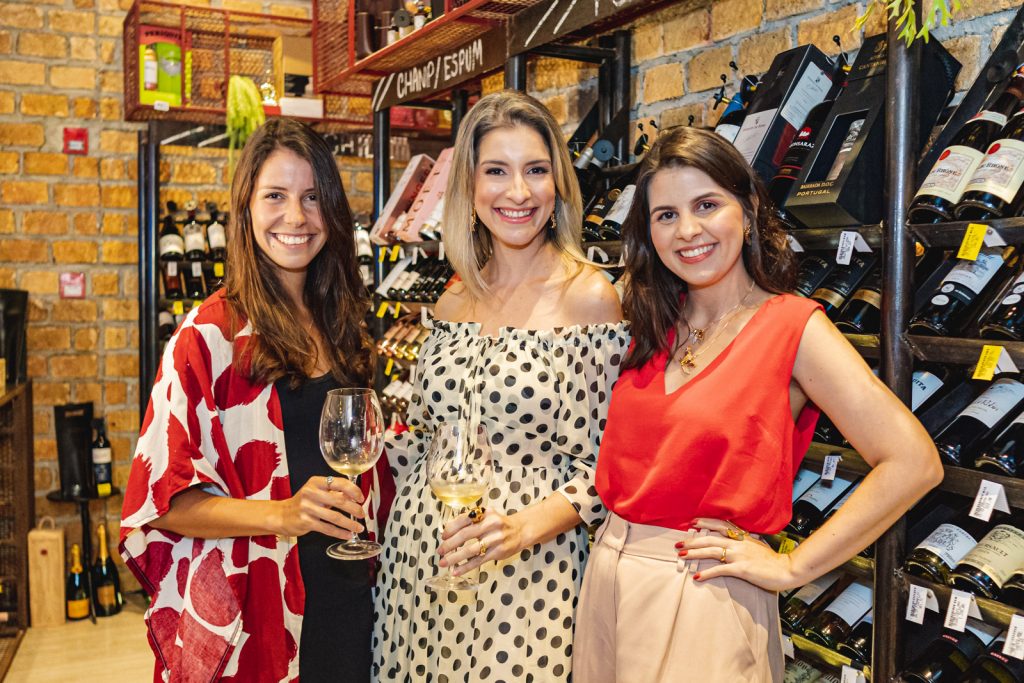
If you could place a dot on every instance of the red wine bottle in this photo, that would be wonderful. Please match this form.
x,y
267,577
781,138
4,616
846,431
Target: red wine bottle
x,y
990,564
836,622
1006,453
994,191
812,273
172,252
862,314
943,549
1006,320
810,510
995,667
947,657
980,422
857,645
843,282
811,598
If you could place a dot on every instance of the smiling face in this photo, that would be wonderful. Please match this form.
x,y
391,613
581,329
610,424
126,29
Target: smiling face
x,y
285,213
696,226
514,192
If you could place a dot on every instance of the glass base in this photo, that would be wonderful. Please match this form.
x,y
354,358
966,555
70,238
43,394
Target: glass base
x,y
354,550
447,582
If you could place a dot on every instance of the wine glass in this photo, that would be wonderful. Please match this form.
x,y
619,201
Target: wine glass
x,y
459,471
351,440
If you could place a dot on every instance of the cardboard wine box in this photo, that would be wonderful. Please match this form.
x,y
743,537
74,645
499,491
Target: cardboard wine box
x,y
842,182
430,195
406,189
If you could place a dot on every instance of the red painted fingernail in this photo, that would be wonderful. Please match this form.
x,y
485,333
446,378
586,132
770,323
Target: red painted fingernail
x,y
679,545
696,577
682,553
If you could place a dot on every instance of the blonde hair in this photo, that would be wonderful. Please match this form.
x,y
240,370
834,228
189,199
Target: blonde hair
x,y
469,250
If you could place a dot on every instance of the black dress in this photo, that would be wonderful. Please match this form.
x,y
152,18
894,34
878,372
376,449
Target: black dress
x,y
335,641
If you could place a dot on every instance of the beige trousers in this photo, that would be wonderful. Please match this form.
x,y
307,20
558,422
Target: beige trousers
x,y
643,619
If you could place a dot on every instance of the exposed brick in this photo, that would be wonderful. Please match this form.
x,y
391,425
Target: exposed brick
x,y
85,340
46,450
21,134
548,73
776,9
37,104
24,192
706,68
687,31
113,224
8,162
120,252
23,251
88,391
680,116
45,163
74,251
363,181
819,30
254,6
6,102
120,309
86,167
85,108
20,15
193,173
110,109
114,338
119,196
7,279
42,45
50,393
6,42
6,221
108,51
36,364
75,365
663,82
105,284
39,282
647,43
44,223
15,72
997,35
979,8
111,169
729,17
83,48
758,51
559,108
122,365
41,425
118,141
86,223
73,77
87,194
131,283
110,26
117,392
967,50
289,11
74,311
47,337
111,81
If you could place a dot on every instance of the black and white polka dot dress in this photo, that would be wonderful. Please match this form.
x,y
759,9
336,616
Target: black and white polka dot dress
x,y
543,396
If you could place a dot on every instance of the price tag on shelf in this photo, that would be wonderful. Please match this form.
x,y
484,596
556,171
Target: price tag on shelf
x,y
920,599
851,675
396,251
1014,644
850,241
382,311
961,605
974,240
218,269
991,496
828,469
993,359
415,255
787,647
389,367
425,315
381,254
794,244
440,251
787,545
993,238
177,308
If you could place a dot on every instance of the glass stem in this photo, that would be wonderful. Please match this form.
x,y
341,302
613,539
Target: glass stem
x,y
353,542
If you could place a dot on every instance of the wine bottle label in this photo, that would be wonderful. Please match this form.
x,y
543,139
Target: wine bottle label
x,y
923,386
868,618
829,296
824,494
805,479
993,116
995,402
1001,172
752,133
194,240
1016,289
172,269
171,244
849,492
106,596
949,176
998,554
950,543
810,90
78,609
197,269
728,131
813,271
852,604
218,240
799,671
620,209
809,593
985,632
972,276
870,296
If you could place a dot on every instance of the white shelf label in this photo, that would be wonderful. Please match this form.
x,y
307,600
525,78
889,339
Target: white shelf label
x,y
851,675
991,496
961,605
794,244
920,599
850,241
787,647
1014,645
828,469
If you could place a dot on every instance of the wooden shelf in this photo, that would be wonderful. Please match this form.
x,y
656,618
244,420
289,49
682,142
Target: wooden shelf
x,y
959,351
869,345
992,611
823,239
851,463
950,235
965,482
862,567
822,654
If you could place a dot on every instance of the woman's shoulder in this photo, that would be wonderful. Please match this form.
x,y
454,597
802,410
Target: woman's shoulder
x,y
591,299
453,304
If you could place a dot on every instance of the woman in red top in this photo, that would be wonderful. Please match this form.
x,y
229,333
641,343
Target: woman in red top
x,y
710,418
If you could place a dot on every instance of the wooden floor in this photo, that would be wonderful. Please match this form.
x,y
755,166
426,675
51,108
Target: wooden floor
x,y
112,650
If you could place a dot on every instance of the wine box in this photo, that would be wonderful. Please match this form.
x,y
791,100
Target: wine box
x,y
401,198
427,199
842,183
797,80
73,425
46,574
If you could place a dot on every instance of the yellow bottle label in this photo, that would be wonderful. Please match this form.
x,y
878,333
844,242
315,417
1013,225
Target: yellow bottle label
x,y
78,609
106,596
103,490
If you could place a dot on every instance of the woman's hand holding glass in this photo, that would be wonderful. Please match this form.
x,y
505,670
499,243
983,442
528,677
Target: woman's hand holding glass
x,y
500,536
314,507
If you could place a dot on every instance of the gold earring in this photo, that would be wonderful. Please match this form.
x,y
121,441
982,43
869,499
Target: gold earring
x,y
472,220
746,233
554,221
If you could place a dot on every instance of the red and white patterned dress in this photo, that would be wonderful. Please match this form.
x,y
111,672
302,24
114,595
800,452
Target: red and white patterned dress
x,y
230,608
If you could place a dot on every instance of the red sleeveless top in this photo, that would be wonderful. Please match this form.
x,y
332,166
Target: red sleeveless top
x,y
723,445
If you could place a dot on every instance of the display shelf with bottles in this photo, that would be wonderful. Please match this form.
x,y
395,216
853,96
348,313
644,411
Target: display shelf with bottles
x,y
17,515
821,655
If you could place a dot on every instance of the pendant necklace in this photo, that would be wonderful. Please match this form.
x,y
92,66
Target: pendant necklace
x,y
688,363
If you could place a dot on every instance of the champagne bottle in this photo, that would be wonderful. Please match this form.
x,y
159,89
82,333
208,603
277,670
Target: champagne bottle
x,y
835,623
106,584
995,667
843,281
811,598
950,655
862,314
957,296
981,421
812,273
945,547
165,321
172,251
994,191
810,510
991,563
76,591
101,458
857,645
1006,321
944,186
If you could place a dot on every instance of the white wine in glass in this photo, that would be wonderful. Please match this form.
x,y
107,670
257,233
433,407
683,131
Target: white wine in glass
x,y
351,440
459,466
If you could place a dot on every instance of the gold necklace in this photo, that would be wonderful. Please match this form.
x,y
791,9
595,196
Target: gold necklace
x,y
688,363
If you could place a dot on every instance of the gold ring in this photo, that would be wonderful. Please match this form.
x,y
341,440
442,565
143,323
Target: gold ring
x,y
736,534
476,514
330,480
483,549
724,552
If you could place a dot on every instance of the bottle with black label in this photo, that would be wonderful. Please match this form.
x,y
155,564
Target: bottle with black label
x,y
862,314
950,655
995,667
843,282
76,591
945,184
811,598
812,273
172,252
1006,321
836,622
994,191
857,645
975,427
810,510
938,554
991,563
969,282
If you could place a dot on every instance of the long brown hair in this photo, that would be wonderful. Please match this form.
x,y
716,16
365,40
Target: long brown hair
x,y
652,297
333,290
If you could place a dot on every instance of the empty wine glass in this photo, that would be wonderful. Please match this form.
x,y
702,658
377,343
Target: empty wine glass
x,y
351,440
459,470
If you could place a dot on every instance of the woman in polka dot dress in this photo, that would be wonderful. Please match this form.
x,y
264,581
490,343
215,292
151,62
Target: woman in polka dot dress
x,y
531,342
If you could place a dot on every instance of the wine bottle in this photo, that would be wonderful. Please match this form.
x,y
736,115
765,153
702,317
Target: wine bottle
x,y
735,113
843,281
945,547
994,666
106,584
799,671
1013,589
1006,321
981,421
812,273
588,173
835,623
216,234
926,386
994,191
1005,455
804,480
812,597
810,509
991,563
950,307
862,314
76,591
600,209
857,645
165,321
826,432
950,655
611,228
838,504
172,251
845,149
944,186
101,458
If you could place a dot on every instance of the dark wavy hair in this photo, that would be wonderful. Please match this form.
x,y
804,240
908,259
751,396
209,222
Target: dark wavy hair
x,y
333,291
652,296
